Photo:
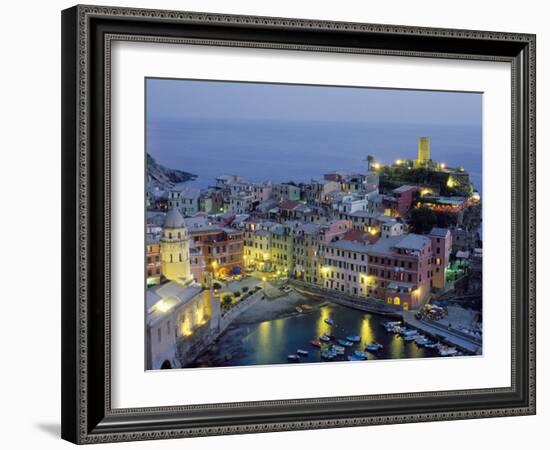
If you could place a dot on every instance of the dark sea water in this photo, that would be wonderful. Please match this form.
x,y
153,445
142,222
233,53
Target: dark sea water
x,y
301,150
270,342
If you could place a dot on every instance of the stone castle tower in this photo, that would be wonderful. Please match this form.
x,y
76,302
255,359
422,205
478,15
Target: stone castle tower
x,y
423,152
174,249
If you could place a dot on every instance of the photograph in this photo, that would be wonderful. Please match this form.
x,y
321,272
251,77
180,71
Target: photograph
x,y
303,223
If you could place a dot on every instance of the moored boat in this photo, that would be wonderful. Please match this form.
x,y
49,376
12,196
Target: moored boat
x,y
302,352
360,354
299,309
328,354
374,347
338,349
329,321
324,338
421,340
315,343
447,351
345,343
353,338
293,358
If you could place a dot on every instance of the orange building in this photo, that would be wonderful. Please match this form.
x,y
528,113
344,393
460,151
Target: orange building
x,y
153,263
221,249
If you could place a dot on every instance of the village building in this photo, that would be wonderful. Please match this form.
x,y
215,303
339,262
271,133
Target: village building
x,y
441,247
153,264
286,191
185,199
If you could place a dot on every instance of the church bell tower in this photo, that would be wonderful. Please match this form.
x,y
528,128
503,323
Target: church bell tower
x,y
174,249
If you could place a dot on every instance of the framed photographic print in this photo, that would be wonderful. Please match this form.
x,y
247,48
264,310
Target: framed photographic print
x,y
281,224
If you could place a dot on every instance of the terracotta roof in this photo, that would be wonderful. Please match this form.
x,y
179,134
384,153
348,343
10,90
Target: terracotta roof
x,y
289,204
359,236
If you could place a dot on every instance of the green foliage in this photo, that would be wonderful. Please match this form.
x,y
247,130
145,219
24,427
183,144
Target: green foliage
x,y
393,176
226,300
216,285
422,220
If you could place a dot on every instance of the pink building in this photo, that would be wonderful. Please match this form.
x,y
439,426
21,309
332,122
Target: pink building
x,y
334,229
399,203
262,192
441,245
400,270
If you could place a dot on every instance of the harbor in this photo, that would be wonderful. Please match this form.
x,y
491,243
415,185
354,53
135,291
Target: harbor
x,y
310,329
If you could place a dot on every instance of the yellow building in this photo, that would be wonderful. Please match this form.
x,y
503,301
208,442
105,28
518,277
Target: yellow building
x,y
257,249
269,247
423,152
282,250
174,249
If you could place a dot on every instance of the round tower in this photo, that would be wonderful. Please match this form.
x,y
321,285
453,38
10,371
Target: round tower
x,y
174,248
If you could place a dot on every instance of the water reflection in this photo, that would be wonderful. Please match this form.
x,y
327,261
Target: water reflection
x,y
366,332
270,342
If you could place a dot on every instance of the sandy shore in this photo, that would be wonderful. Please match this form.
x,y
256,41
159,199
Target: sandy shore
x,y
277,308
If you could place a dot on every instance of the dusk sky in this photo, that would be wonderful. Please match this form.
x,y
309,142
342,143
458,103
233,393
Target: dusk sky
x,y
217,100
283,132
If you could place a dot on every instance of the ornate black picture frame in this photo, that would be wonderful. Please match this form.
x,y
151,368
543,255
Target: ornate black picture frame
x,y
87,34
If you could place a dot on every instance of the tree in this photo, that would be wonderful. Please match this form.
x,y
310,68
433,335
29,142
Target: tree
x,y
226,300
245,289
370,160
422,220
216,285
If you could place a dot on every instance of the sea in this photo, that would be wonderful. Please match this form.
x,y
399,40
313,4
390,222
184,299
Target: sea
x,y
299,151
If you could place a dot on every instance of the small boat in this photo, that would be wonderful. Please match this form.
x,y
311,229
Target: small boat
x,y
431,344
301,352
421,340
293,358
338,349
353,338
299,309
328,355
329,322
374,347
306,307
345,343
354,358
324,338
360,354
315,343
447,351
390,326
408,338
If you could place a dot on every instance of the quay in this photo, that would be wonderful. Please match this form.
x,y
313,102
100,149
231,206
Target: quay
x,y
448,335
360,303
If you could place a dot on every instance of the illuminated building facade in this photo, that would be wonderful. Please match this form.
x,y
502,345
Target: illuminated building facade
x,y
181,321
400,270
174,248
153,264
445,204
423,158
441,246
221,249
344,266
400,202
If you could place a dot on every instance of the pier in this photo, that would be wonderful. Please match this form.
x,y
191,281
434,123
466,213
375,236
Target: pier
x,y
448,335
368,305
